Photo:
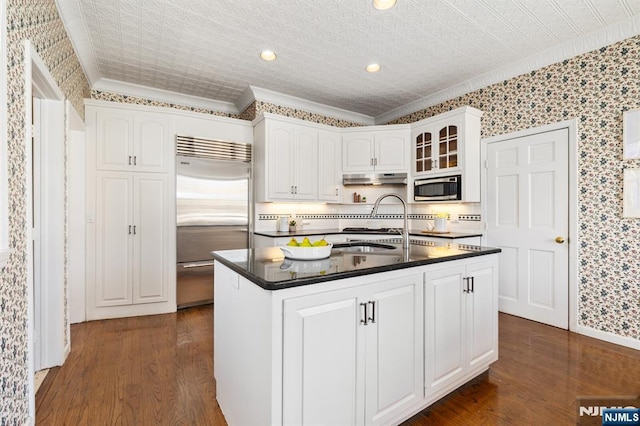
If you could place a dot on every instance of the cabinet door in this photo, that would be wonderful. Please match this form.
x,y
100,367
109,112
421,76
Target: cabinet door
x,y
305,163
152,143
150,238
482,314
114,140
448,147
394,348
321,353
390,151
329,166
113,239
444,323
423,150
280,157
357,152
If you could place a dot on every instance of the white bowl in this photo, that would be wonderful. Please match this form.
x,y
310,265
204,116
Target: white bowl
x,y
306,253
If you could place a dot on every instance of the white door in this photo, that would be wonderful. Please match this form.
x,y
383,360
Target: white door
x,y
321,349
305,163
114,234
280,161
527,216
394,343
114,140
150,238
444,322
390,149
329,166
151,144
482,313
357,155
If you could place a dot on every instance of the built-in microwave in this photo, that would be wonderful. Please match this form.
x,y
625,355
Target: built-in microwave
x,y
448,188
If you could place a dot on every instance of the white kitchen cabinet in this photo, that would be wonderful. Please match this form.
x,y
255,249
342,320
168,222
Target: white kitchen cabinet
x,y
132,226
357,351
132,141
461,323
329,166
319,363
286,161
449,144
378,148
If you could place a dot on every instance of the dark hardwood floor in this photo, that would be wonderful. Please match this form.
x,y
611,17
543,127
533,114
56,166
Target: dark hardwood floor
x,y
158,370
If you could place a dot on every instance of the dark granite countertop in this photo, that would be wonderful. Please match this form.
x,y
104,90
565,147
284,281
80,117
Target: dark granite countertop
x,y
269,269
448,235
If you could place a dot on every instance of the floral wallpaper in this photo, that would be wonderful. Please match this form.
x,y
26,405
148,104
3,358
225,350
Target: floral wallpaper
x,y
261,107
251,112
596,88
39,22
126,99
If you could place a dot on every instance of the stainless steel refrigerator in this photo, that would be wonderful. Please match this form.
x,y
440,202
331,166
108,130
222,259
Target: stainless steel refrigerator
x,y
213,206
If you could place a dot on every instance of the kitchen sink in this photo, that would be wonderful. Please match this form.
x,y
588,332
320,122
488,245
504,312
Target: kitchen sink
x,y
362,247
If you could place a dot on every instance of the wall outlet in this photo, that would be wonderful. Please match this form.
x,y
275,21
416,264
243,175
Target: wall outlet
x,y
91,218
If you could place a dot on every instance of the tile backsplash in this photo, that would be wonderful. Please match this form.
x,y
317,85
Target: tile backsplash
x,y
465,217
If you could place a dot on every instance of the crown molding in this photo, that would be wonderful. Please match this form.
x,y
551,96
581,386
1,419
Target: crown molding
x,y
145,92
265,95
584,44
70,12
245,99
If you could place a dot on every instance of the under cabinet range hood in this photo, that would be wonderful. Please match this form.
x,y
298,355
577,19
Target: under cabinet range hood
x,y
375,179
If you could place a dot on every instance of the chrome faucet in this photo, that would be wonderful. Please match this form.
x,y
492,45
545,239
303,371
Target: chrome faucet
x,y
405,229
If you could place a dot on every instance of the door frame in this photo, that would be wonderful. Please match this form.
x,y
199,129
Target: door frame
x,y
39,82
572,241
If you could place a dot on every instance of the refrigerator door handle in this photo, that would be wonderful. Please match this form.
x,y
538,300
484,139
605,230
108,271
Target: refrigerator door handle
x,y
196,265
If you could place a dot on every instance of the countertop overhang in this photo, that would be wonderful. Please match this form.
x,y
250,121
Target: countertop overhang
x,y
269,269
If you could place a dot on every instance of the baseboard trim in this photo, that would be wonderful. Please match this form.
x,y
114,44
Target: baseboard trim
x,y
609,337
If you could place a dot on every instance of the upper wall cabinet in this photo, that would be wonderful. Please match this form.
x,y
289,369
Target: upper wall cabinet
x,y
379,148
329,166
448,143
132,141
285,160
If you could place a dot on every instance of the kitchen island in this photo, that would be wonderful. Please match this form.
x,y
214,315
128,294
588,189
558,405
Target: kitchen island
x,y
370,335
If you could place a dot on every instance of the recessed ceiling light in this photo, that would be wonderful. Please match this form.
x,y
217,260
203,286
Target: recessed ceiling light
x,y
373,67
383,4
268,55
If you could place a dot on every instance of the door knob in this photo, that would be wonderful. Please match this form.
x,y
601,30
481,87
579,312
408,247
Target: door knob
x,y
559,240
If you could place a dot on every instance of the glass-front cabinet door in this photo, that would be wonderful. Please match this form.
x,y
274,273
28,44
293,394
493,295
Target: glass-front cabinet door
x,y
434,155
448,147
424,152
